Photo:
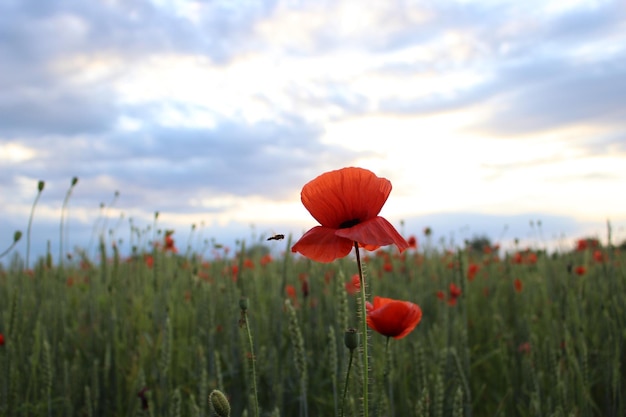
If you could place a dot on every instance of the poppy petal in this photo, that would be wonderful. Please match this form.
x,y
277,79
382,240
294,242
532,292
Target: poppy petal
x,y
395,318
321,244
346,194
377,232
381,301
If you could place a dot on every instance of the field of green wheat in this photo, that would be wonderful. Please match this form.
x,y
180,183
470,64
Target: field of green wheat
x,y
523,333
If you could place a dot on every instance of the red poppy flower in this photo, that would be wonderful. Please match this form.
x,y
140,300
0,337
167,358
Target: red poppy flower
x,y
517,283
455,292
393,318
346,203
266,259
412,241
354,285
472,270
598,256
1,339
290,290
580,270
168,242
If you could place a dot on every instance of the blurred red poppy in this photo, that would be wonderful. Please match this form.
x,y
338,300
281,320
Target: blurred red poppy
x,y
346,203
354,285
472,270
598,256
517,284
393,318
168,242
1,339
412,241
455,292
290,290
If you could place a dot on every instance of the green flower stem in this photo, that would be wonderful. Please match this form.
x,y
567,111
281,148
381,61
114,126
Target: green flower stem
x,y
387,378
244,316
364,330
345,388
40,186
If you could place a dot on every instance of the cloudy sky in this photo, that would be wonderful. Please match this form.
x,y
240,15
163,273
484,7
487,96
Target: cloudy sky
x,y
485,116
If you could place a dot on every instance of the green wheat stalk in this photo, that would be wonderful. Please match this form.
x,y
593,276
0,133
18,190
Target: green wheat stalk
x,y
243,305
40,187
63,209
297,342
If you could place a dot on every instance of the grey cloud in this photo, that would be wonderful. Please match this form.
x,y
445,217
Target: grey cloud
x,y
266,159
584,94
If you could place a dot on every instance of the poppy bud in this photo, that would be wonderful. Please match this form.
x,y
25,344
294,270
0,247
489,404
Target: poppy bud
x,y
220,403
40,185
17,236
74,181
351,339
243,304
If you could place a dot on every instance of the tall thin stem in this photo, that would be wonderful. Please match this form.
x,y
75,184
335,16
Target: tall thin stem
x,y
345,387
65,201
364,331
387,376
243,304
40,186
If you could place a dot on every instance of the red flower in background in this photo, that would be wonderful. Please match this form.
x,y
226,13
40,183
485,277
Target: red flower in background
x,y
290,290
346,203
472,270
517,284
393,318
598,256
1,339
354,285
580,270
581,245
412,241
266,259
168,244
455,292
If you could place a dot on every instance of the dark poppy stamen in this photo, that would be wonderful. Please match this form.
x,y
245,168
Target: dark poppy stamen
x,y
349,223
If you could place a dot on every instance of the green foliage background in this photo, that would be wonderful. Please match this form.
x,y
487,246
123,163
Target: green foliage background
x,y
83,339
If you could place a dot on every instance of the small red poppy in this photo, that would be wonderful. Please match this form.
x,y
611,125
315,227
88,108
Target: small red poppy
x,y
290,290
454,294
1,339
354,285
598,256
346,203
168,242
472,270
517,284
393,318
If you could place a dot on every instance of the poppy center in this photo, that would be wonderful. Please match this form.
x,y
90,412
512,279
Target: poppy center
x,y
349,223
